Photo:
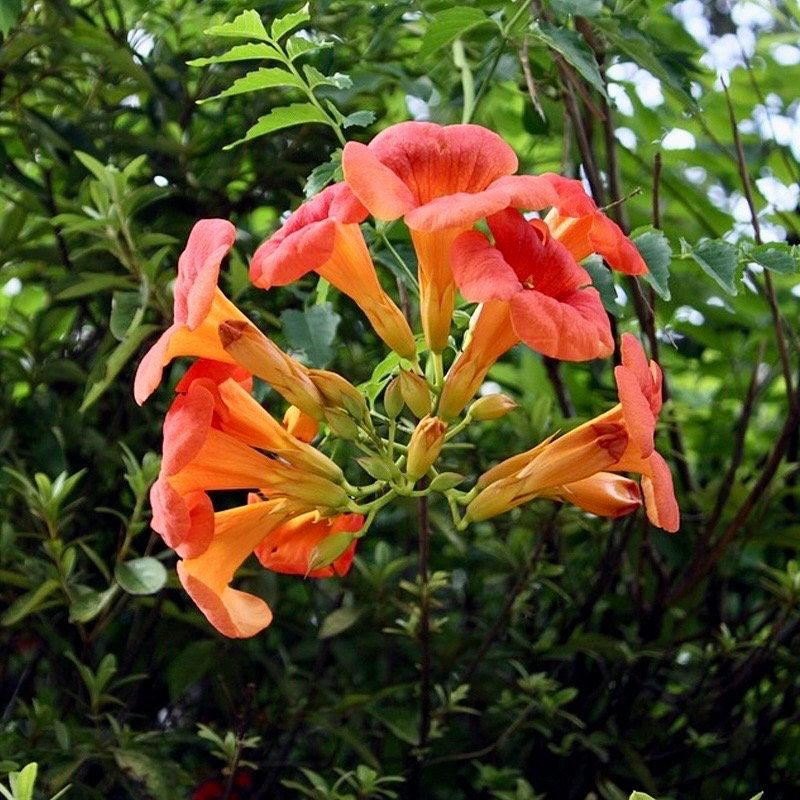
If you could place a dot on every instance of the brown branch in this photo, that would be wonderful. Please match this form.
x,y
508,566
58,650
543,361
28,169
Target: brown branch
x,y
770,289
742,515
553,367
530,84
738,450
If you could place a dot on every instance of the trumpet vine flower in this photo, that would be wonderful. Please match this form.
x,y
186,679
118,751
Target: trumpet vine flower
x,y
324,235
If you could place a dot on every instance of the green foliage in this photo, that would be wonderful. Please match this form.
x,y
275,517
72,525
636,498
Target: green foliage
x,y
562,645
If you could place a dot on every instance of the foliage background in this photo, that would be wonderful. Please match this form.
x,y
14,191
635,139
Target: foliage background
x,y
572,657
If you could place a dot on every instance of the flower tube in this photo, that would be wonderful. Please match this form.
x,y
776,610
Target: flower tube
x,y
324,235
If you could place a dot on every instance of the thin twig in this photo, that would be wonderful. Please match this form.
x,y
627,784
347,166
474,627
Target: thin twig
x,y
770,289
424,619
553,367
756,493
738,449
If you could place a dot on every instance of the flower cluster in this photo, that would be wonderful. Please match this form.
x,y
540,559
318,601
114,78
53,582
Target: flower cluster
x,y
476,228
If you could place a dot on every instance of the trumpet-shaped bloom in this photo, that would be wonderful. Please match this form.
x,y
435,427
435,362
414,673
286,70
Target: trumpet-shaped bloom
x,y
441,180
588,449
324,235
198,306
577,222
639,387
532,289
604,494
283,541
577,466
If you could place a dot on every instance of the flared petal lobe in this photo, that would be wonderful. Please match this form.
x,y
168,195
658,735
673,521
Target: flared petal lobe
x,y
583,229
207,577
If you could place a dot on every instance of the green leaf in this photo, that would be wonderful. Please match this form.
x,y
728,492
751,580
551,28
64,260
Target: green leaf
x,y
324,174
448,25
315,78
100,171
106,370
358,119
574,50
28,603
258,80
126,313
288,22
776,257
158,777
283,117
657,254
580,8
92,283
298,45
247,25
190,666
312,332
9,14
22,782
338,621
241,52
640,796
603,281
141,575
87,603
716,258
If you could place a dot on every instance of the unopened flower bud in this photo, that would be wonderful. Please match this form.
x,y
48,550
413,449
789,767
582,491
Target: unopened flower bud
x,y
300,424
493,406
425,446
393,399
338,392
341,424
416,394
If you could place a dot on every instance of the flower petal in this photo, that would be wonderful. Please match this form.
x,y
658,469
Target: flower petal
x,y
659,495
480,271
384,193
185,428
638,414
185,522
572,329
198,269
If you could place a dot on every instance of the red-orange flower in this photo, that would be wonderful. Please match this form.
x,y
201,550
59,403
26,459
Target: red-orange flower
x,y
577,222
441,179
199,306
324,235
533,290
621,440
284,542
212,436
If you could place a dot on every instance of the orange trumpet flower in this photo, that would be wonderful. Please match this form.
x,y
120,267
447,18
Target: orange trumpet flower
x,y
441,179
532,289
283,541
621,440
324,235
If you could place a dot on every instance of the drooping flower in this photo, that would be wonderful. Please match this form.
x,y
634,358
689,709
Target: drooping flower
x,y
441,179
588,449
283,540
202,312
213,437
577,222
578,467
533,290
323,235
